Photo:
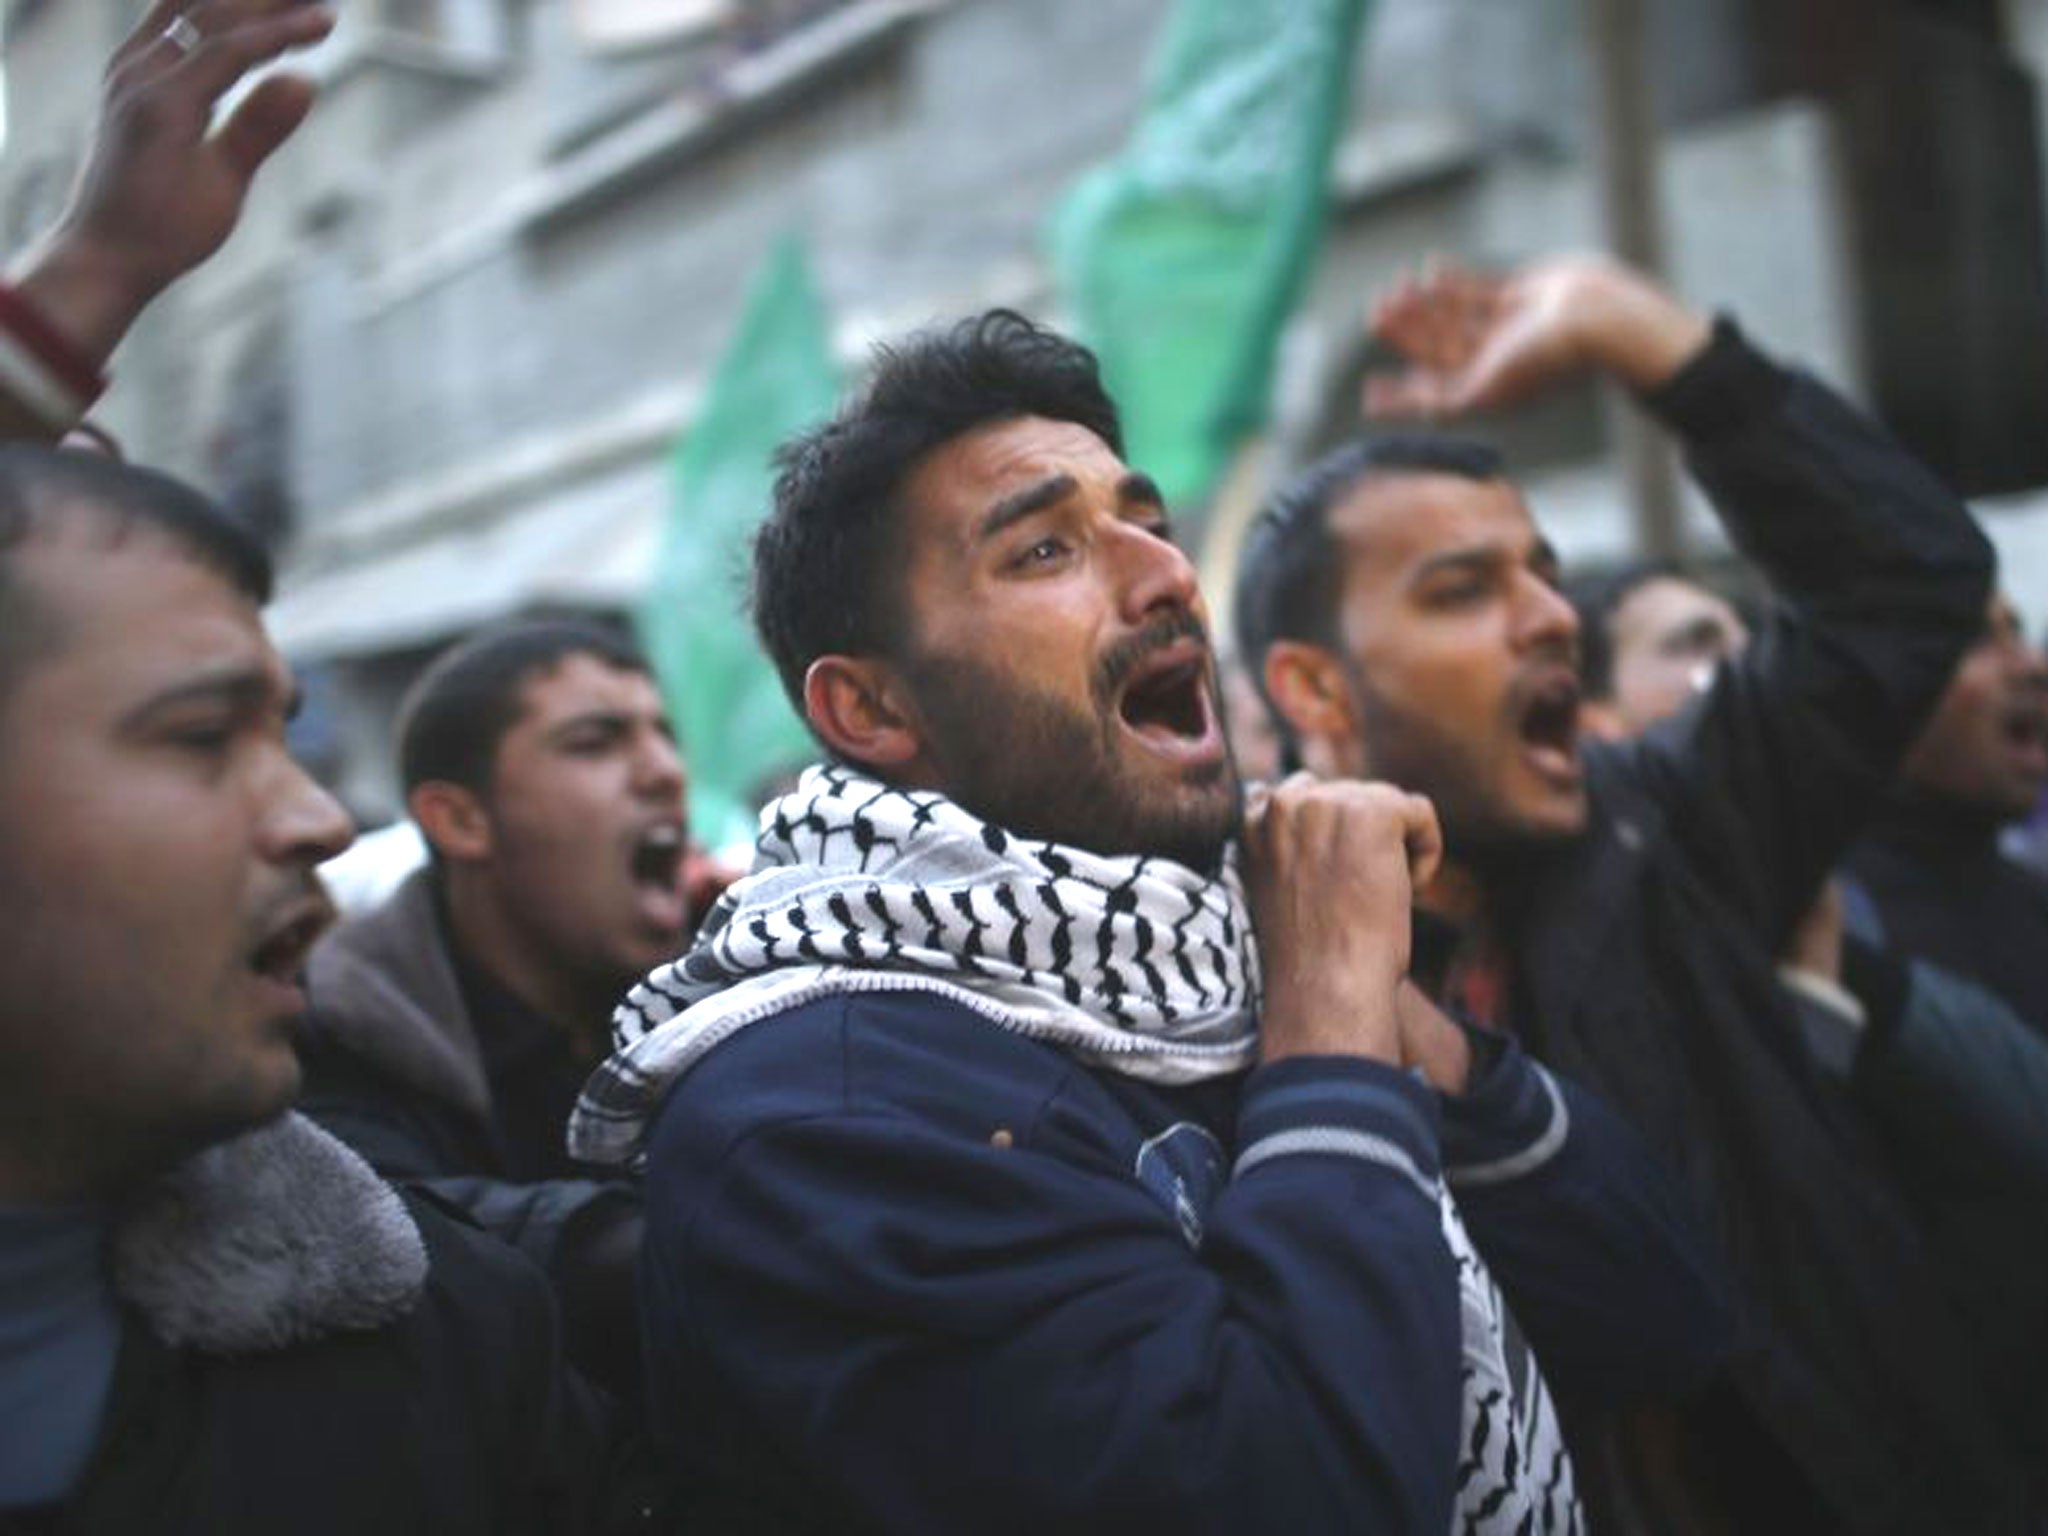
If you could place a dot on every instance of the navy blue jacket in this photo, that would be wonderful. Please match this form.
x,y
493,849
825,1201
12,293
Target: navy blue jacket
x,y
906,1271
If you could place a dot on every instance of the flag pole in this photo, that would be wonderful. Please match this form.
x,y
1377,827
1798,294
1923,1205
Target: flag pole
x,y
1626,160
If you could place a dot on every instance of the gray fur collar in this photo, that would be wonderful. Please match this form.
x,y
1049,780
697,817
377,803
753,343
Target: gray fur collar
x,y
279,1235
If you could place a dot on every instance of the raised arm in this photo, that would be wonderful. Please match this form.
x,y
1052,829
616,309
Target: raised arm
x,y
161,189
1476,341
1881,572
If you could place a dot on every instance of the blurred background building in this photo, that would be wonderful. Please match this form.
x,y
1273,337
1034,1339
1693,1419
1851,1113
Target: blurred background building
x,y
446,362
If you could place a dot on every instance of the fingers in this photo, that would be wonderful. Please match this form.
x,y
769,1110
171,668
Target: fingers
x,y
239,35
1439,317
264,120
1341,822
1422,835
223,41
1441,320
1412,396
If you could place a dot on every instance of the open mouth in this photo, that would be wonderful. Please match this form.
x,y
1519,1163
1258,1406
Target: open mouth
x,y
2025,729
656,858
281,955
1169,700
1550,726
1165,700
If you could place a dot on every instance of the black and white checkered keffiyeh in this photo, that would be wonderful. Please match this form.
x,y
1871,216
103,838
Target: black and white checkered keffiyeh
x,y
1138,965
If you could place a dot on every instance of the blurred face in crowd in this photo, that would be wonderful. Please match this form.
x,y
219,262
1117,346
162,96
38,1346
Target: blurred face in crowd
x,y
584,826
1059,665
1667,636
1987,743
1456,672
157,849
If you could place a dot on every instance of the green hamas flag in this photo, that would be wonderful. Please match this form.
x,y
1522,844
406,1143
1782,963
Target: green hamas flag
x,y
775,378
1183,256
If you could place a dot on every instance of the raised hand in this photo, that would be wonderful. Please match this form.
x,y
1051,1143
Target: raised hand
x,y
161,188
1330,870
1480,341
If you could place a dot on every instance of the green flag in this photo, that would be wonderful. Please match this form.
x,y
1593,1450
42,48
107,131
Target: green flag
x,y
775,378
1183,257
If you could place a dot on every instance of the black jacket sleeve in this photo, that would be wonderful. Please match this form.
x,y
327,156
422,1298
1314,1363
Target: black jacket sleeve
x,y
1882,577
1607,1268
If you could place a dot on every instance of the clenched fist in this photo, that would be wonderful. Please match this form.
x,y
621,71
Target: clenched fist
x,y
1330,870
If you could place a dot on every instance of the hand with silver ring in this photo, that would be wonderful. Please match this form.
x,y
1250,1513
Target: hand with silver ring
x,y
182,35
164,182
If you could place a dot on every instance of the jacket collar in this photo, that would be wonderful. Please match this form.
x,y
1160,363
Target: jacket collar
x,y
276,1236
384,987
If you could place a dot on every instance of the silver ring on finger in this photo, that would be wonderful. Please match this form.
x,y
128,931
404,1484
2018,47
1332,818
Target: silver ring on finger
x,y
182,35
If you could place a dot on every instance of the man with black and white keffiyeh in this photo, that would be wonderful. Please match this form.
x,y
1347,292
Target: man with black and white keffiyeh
x,y
1041,1139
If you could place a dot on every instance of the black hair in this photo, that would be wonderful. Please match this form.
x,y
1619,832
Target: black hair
x,y
456,713
829,557
39,484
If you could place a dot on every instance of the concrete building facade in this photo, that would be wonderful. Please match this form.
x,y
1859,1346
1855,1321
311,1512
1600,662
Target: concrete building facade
x,y
447,357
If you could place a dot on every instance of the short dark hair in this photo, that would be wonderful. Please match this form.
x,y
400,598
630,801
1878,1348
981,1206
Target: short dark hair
x,y
39,484
1596,595
1288,577
456,713
827,559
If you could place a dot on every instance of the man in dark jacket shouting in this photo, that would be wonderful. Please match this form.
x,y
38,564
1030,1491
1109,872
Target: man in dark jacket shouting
x,y
213,1316
1618,909
990,1187
452,1024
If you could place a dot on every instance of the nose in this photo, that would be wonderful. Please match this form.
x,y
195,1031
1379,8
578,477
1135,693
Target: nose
x,y
1544,616
1155,574
303,823
658,766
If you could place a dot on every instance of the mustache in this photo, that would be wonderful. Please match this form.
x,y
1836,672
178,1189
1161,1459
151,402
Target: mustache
x,y
1124,657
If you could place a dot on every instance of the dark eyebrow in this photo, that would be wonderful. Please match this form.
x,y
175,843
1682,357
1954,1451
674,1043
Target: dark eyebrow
x,y
245,690
608,719
1020,505
1695,632
1473,558
1140,487
1542,557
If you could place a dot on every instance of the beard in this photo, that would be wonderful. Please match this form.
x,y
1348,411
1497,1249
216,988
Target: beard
x,y
1481,827
1033,764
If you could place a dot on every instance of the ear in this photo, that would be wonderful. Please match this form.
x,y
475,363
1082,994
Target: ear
x,y
857,705
453,819
1310,689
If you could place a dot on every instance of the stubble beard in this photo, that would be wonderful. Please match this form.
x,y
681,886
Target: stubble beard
x,y
1035,766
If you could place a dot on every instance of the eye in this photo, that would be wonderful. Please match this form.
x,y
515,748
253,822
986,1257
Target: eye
x,y
1459,591
207,738
1040,552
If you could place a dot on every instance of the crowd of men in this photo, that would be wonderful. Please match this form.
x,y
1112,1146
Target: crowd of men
x,y
1603,1086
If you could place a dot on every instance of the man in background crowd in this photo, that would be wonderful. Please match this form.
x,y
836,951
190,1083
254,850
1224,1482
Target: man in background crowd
x,y
1621,909
453,1025
1928,875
